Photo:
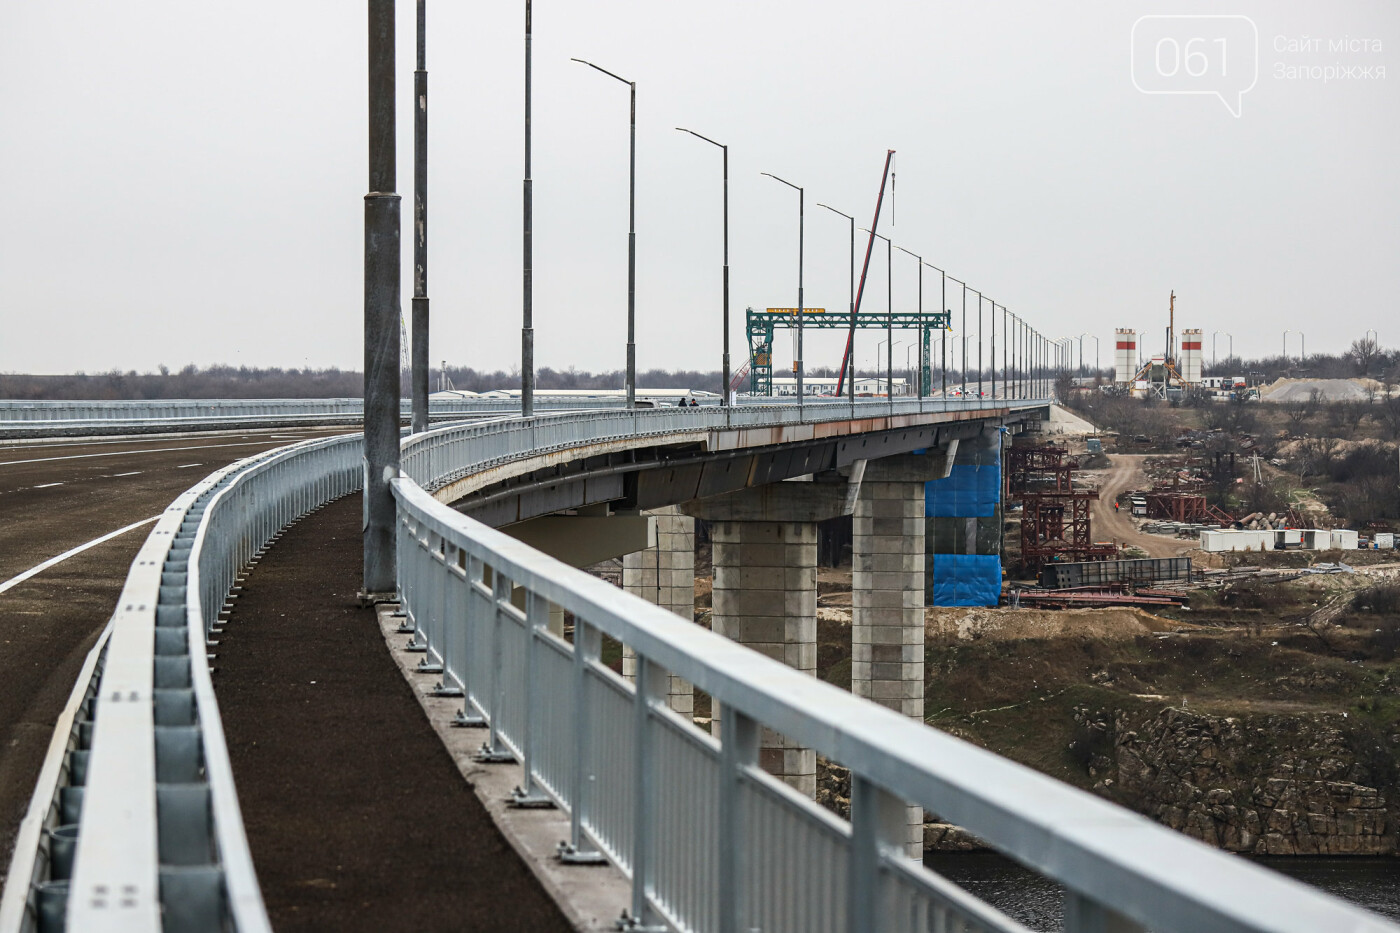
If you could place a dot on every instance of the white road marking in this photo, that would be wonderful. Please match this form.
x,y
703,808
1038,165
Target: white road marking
x,y
39,568
47,485
132,473
127,453
186,466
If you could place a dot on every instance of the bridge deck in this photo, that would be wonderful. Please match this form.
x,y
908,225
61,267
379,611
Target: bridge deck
x,y
356,815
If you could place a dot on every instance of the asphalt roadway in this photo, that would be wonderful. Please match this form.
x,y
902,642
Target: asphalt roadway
x,y
55,496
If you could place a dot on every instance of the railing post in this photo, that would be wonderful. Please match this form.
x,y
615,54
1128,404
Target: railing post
x,y
877,832
650,694
476,606
588,645
1085,916
536,624
493,750
738,753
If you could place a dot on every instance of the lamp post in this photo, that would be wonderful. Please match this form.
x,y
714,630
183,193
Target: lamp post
x,y
381,310
965,339
631,238
850,340
942,350
801,225
527,321
418,381
919,338
1214,357
889,310
889,355
724,387
964,330
979,344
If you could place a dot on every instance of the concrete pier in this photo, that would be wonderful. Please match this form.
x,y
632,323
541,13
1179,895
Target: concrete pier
x,y
887,590
765,585
665,575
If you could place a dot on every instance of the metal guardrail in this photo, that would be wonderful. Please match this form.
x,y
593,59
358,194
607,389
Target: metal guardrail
x,y
710,841
139,776
40,419
437,457
246,409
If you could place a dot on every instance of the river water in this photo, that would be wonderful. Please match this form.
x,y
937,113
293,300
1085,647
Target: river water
x,y
1373,883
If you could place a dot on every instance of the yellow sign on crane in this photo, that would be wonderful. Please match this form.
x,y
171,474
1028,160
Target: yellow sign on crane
x,y
793,311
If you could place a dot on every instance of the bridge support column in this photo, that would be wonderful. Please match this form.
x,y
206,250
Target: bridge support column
x,y
964,526
665,575
765,589
887,591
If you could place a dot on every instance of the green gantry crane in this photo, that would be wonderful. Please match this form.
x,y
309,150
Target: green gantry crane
x,y
761,326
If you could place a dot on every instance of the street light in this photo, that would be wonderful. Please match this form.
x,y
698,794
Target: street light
x,y
1213,356
964,330
889,309
527,293
851,339
923,389
631,239
801,223
382,318
418,370
889,354
724,386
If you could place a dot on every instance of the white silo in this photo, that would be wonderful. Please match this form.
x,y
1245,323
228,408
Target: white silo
x,y
1124,356
1190,364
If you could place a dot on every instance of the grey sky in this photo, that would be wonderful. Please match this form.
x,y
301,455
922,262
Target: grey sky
x,y
183,181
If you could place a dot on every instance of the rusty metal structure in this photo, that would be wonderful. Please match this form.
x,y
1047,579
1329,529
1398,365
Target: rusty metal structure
x,y
1055,527
1038,469
1179,507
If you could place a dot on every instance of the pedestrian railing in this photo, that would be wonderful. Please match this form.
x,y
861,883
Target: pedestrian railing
x,y
709,840
437,457
63,418
138,773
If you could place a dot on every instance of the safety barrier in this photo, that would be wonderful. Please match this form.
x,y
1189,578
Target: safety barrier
x,y
437,457
138,774
31,419
709,840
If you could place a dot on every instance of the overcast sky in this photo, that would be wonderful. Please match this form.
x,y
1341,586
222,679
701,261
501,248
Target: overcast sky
x,y
183,182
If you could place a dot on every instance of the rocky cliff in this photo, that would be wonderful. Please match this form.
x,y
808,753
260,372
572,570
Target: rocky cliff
x,y
1267,785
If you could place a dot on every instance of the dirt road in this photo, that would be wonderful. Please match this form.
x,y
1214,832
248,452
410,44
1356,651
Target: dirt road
x,y
1108,525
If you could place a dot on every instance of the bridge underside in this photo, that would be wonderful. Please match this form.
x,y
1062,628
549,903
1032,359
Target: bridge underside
x,y
653,472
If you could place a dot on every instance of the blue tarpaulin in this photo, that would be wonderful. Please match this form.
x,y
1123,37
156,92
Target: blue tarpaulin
x,y
970,491
966,579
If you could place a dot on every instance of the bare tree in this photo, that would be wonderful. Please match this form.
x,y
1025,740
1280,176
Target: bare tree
x,y
1363,353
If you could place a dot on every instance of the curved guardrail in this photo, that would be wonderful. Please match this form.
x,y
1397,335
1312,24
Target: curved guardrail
x,y
40,419
138,774
437,457
709,840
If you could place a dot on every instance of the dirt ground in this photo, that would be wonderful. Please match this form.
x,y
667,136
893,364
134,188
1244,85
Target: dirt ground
x,y
1109,525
